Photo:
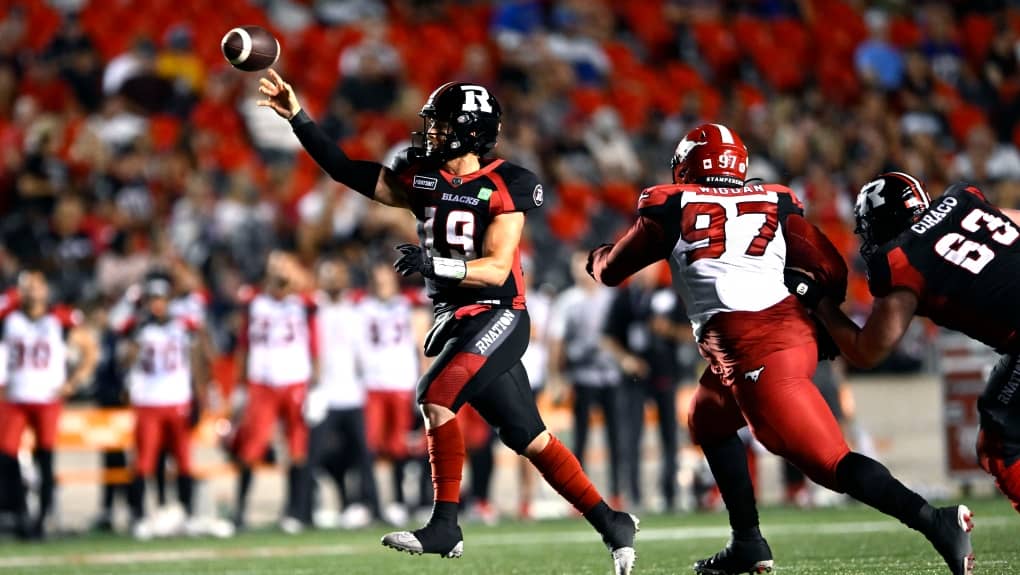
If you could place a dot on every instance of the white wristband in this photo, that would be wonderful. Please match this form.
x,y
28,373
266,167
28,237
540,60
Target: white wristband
x,y
449,268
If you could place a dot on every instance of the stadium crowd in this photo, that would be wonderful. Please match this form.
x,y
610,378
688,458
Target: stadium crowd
x,y
124,153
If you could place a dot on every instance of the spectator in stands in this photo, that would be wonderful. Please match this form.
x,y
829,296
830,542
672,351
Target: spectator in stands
x,y
79,62
370,70
878,61
139,60
984,160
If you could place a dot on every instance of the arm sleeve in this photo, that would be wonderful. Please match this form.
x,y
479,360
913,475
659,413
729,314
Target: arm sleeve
x,y
642,245
361,176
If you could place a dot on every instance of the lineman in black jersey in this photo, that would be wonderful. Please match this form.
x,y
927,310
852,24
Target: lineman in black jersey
x,y
471,213
953,260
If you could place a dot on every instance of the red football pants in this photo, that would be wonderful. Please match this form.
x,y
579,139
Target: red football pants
x,y
787,414
159,426
41,417
267,404
389,417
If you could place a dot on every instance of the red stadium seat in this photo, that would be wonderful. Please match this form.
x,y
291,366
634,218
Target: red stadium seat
x,y
977,33
904,32
962,119
717,46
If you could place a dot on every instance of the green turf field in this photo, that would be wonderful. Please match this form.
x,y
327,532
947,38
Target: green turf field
x,y
850,541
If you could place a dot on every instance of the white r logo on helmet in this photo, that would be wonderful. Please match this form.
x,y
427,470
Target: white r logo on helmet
x,y
872,192
476,98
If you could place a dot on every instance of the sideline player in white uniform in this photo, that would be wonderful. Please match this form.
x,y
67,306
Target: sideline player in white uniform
x,y
387,355
166,371
278,358
35,338
338,441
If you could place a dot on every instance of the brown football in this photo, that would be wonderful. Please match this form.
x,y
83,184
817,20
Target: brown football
x,y
250,48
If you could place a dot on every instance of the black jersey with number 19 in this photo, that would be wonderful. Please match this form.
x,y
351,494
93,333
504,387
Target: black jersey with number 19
x,y
454,213
961,259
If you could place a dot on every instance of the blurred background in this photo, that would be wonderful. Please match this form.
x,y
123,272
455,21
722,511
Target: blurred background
x,y
127,143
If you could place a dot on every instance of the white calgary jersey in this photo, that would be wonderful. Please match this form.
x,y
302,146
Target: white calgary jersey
x,y
161,374
339,328
536,357
387,353
37,354
731,249
281,343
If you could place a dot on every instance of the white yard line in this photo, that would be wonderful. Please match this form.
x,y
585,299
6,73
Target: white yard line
x,y
573,536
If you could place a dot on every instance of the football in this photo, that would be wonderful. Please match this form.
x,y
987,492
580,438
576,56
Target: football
x,y
250,48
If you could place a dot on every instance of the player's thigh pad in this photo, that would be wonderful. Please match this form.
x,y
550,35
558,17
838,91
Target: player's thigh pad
x,y
44,418
148,438
482,348
714,414
999,405
257,424
12,424
789,416
509,406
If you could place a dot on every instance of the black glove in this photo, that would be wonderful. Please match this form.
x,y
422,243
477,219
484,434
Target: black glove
x,y
806,288
590,266
414,260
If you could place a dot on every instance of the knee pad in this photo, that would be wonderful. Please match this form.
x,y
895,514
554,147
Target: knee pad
x,y
519,437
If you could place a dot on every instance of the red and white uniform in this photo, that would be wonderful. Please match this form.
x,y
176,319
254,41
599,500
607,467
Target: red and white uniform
x,y
727,250
161,375
160,384
339,329
281,338
36,370
387,356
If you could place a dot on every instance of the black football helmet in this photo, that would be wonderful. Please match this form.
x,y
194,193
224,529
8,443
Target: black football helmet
x,y
886,206
465,118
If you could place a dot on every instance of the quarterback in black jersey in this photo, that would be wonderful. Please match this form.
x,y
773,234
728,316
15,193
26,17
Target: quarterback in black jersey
x,y
953,260
470,211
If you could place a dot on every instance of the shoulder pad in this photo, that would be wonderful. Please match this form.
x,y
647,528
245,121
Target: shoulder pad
x,y
522,184
68,316
407,160
962,188
657,195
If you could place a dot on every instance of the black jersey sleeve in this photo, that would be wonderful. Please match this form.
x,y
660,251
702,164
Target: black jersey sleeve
x,y
361,176
521,191
891,269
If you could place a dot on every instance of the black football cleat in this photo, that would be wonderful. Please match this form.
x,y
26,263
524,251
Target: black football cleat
x,y
619,539
441,539
950,534
739,557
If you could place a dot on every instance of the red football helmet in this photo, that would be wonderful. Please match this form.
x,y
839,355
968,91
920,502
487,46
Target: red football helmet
x,y
710,154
